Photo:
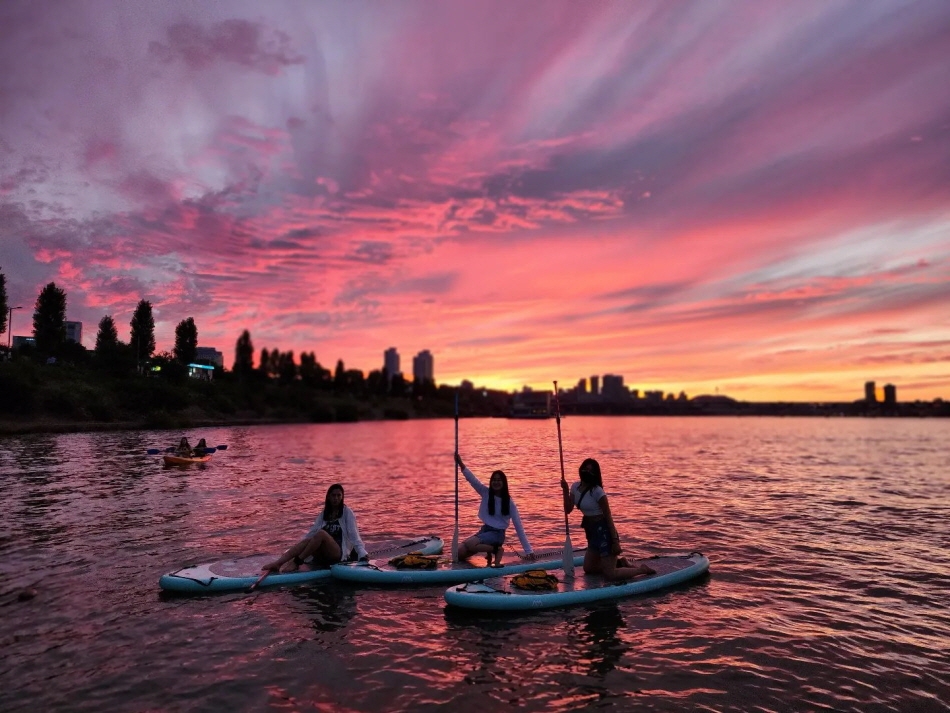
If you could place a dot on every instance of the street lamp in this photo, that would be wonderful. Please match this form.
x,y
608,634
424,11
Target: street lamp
x,y
10,326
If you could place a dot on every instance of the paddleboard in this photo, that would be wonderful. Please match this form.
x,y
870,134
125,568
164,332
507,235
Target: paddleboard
x,y
237,574
379,571
501,595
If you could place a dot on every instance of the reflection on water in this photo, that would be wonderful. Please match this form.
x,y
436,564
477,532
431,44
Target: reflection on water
x,y
828,581
600,641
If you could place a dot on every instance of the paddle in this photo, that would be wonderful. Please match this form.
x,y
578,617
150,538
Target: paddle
x,y
455,534
568,562
156,451
259,580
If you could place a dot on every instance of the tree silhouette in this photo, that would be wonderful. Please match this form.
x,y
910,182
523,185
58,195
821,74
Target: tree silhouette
x,y
287,370
244,355
186,341
339,376
397,387
107,337
142,338
49,319
111,354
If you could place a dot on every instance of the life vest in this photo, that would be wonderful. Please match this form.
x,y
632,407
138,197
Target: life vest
x,y
535,580
414,560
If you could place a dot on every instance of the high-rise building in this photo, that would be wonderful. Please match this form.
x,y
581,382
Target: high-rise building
x,y
391,363
582,386
74,332
613,387
423,367
890,395
870,396
209,354
595,385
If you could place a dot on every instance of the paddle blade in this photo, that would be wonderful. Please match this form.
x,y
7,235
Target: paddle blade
x,y
209,451
568,562
153,451
222,448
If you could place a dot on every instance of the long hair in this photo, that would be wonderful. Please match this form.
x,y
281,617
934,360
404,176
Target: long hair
x,y
327,507
590,473
505,495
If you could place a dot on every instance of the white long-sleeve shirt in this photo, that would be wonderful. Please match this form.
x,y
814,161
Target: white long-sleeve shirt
x,y
351,534
498,521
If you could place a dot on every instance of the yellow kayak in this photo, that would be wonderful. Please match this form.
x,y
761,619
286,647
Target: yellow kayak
x,y
179,460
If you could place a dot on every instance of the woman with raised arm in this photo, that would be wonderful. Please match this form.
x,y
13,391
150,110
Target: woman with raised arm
x,y
496,511
603,543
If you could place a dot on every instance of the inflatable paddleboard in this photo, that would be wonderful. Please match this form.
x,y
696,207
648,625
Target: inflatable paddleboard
x,y
379,571
237,574
178,460
501,594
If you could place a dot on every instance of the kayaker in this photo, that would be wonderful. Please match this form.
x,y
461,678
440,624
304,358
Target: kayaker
x,y
603,543
497,510
334,535
201,448
184,448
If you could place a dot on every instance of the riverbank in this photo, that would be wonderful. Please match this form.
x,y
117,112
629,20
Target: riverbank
x,y
54,425
38,398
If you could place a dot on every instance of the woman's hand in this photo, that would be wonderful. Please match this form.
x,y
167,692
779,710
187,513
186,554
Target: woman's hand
x,y
458,460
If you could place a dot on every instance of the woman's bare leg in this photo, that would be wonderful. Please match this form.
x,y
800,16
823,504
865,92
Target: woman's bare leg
x,y
592,562
323,548
613,572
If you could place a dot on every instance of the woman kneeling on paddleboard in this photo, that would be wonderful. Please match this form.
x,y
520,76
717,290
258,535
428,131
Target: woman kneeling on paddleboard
x,y
603,543
496,511
333,533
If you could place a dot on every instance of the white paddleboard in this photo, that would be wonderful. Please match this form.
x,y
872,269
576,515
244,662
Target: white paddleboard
x,y
237,574
501,595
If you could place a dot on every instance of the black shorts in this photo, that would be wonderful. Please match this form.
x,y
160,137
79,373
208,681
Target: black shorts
x,y
599,537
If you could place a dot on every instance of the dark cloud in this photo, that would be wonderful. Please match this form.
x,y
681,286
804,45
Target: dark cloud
x,y
235,41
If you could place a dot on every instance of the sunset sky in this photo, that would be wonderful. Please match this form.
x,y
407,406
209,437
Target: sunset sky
x,y
749,197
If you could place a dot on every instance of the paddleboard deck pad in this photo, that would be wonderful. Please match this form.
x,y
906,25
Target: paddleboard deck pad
x,y
379,571
237,574
501,595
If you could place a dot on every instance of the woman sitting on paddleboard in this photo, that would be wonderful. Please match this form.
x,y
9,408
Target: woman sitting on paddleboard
x,y
496,511
334,535
603,543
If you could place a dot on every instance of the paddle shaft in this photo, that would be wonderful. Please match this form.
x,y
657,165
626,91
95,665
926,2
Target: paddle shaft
x,y
568,562
259,580
455,534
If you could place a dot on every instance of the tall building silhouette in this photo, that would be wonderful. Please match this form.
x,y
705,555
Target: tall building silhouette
x,y
391,363
870,396
423,367
890,395
613,387
595,385
74,332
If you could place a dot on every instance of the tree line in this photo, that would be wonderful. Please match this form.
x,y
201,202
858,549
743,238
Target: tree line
x,y
115,356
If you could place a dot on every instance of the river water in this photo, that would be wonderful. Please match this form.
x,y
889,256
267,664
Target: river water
x,y
829,542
